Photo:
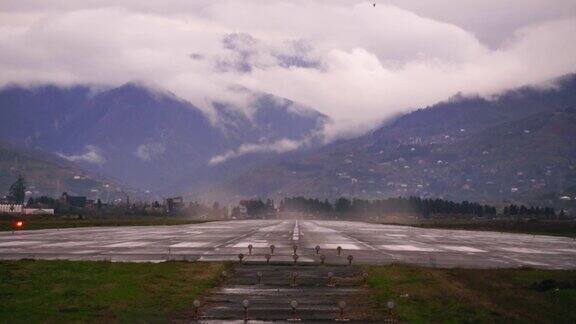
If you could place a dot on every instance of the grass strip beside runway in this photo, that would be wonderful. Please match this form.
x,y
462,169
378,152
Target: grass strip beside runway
x,y
73,291
429,295
48,222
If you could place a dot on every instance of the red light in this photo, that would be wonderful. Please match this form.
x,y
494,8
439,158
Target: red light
x,y
19,223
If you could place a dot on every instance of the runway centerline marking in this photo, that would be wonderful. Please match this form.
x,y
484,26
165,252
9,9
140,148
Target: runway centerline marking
x,y
296,233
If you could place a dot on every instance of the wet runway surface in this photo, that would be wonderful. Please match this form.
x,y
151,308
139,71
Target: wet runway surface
x,y
270,296
367,243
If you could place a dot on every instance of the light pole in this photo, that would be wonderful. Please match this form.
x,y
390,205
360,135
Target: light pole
x,y
259,276
196,306
294,317
342,317
245,304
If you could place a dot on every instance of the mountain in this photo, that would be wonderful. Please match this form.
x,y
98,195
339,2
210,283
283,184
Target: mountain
x,y
48,174
148,138
517,145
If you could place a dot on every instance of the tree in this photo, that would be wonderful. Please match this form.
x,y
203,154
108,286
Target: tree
x,y
18,190
342,205
269,205
215,209
45,201
235,212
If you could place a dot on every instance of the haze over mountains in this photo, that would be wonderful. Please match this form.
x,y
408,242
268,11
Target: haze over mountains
x,y
517,145
149,139
48,174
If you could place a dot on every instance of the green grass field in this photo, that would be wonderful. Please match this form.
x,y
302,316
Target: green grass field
x,y
426,295
45,222
66,291
78,291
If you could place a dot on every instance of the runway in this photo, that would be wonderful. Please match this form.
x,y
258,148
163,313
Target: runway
x,y
367,243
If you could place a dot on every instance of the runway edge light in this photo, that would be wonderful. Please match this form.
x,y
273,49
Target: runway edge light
x,y
17,225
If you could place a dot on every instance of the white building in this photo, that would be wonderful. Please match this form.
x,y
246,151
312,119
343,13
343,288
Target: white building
x,y
11,208
38,211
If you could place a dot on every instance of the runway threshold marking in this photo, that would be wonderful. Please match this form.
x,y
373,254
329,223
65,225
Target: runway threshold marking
x,y
228,242
370,247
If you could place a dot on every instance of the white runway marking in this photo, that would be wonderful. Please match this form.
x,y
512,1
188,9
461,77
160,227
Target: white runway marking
x,y
525,250
296,233
273,228
66,244
85,252
534,263
407,248
189,245
127,244
254,244
333,246
567,250
20,243
460,248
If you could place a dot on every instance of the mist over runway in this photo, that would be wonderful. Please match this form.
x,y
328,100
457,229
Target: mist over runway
x,y
224,240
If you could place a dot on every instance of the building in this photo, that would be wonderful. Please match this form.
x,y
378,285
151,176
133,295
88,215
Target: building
x,y
251,207
38,211
174,205
73,201
11,208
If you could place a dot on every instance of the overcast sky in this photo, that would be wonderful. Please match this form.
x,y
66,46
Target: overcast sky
x,y
357,63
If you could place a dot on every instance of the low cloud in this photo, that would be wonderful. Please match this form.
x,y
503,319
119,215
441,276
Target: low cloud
x,y
146,152
355,63
92,154
280,146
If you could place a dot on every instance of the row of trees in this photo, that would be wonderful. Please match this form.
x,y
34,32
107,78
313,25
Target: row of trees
x,y
515,210
413,205
410,205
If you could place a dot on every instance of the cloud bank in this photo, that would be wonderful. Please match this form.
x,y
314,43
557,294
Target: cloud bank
x,y
147,152
92,155
280,146
356,63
